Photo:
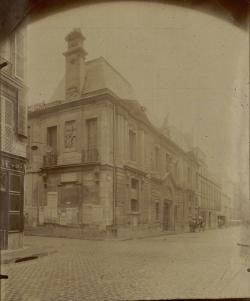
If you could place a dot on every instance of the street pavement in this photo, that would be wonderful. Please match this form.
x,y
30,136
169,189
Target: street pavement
x,y
188,265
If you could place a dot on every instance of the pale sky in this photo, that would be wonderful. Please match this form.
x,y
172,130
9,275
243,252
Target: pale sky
x,y
181,62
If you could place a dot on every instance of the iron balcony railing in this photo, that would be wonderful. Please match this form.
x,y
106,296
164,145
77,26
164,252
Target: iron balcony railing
x,y
6,66
90,155
50,159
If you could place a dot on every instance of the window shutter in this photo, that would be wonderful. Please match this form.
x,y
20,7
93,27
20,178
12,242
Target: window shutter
x,y
22,114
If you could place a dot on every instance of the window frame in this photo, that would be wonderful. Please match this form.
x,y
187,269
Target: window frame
x,y
157,211
74,136
137,207
132,146
17,55
17,213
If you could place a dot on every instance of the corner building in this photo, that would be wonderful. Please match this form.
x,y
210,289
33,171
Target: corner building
x,y
97,163
13,138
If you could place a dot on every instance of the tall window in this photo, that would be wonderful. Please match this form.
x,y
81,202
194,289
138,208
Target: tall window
x,y
157,211
189,175
157,158
52,138
134,202
132,145
92,139
9,124
15,203
70,134
92,133
19,54
167,162
134,205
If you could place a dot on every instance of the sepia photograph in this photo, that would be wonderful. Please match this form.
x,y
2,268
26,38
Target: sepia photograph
x,y
124,134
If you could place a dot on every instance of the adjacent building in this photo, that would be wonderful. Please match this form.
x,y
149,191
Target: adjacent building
x,y
13,124
97,162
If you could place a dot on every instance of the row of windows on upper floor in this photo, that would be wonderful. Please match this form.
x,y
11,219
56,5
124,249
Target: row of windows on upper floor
x,y
92,142
163,160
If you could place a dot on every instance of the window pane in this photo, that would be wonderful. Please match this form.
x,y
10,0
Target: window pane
x,y
14,222
15,202
132,145
52,137
15,183
157,211
134,183
19,51
134,205
70,134
92,133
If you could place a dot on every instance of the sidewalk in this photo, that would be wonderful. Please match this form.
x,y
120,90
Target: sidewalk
x,y
24,254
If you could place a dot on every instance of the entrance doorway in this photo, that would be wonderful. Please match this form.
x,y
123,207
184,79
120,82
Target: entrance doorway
x,y
166,216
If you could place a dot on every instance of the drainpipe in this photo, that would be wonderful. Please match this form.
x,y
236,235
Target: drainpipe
x,y
114,166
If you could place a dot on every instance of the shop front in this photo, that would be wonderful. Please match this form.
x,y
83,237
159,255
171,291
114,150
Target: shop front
x,y
11,201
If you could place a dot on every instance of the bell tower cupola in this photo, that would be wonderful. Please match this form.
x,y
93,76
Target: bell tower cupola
x,y
75,72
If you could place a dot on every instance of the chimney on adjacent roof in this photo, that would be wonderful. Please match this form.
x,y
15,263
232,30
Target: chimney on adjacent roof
x,y
74,64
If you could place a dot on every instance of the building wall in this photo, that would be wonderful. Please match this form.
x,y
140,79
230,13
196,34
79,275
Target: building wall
x,y
13,122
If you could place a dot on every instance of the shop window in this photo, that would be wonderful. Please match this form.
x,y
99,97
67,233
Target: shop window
x,y
3,182
15,202
15,183
134,205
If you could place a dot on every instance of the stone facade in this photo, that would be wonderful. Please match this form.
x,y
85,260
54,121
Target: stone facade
x,y
96,161
13,124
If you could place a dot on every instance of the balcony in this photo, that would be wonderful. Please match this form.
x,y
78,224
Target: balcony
x,y
50,159
6,68
90,156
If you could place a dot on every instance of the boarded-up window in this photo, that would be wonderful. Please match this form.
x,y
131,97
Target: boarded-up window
x,y
70,197
19,54
92,133
52,138
132,145
22,113
70,134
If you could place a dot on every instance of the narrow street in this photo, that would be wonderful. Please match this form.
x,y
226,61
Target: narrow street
x,y
188,265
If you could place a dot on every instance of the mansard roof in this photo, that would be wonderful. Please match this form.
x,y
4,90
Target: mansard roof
x,y
99,75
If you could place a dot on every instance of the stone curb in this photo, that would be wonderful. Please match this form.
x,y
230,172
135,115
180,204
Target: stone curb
x,y
25,255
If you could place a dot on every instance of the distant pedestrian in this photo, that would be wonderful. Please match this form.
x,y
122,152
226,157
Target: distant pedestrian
x,y
201,223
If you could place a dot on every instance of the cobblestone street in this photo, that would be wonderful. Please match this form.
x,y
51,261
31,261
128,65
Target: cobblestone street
x,y
188,265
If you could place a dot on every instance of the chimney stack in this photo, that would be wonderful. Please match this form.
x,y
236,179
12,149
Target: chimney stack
x,y
74,64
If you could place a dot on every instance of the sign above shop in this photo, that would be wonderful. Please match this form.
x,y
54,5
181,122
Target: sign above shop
x,y
12,164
